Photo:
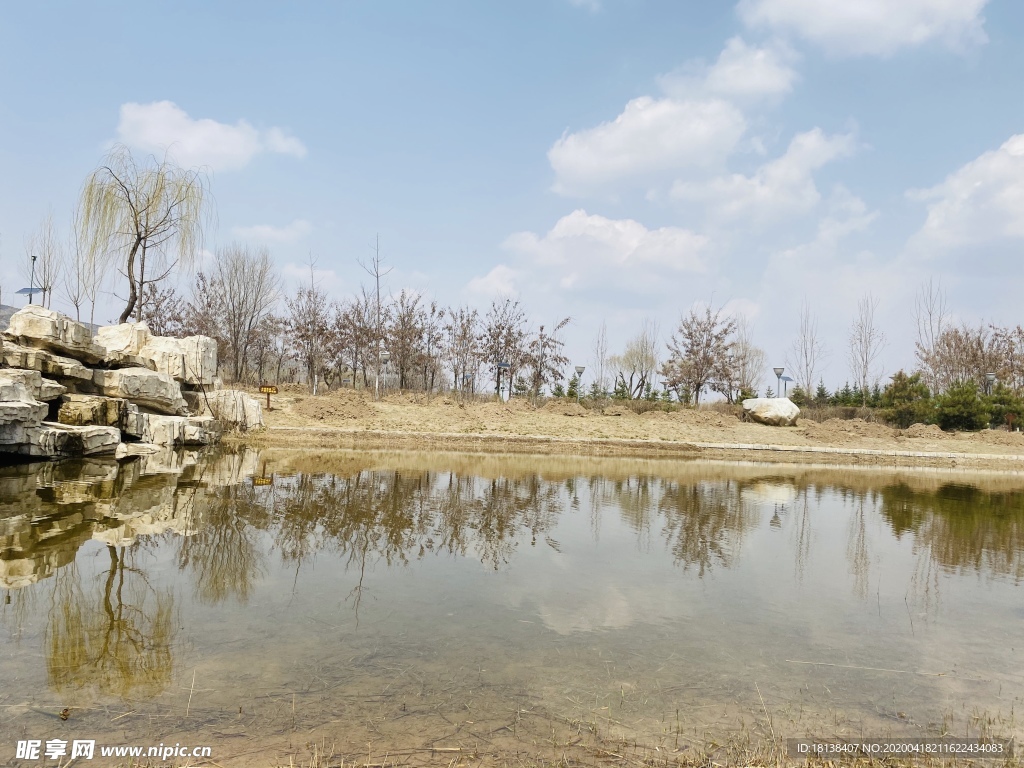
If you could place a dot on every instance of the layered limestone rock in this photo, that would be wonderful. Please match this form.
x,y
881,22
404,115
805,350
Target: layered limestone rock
x,y
40,328
70,372
61,440
182,430
234,409
40,388
76,410
122,345
191,360
17,405
144,387
773,411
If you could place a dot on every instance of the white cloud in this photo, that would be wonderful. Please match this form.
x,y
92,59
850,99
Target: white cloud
x,y
742,72
163,126
591,242
983,201
870,27
267,233
649,138
783,187
500,281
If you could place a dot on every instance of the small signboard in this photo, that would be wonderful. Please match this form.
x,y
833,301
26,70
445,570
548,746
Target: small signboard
x,y
263,480
268,390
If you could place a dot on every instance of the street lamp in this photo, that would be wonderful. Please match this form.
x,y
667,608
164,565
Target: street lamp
x,y
778,375
785,384
385,358
32,283
990,379
501,367
579,378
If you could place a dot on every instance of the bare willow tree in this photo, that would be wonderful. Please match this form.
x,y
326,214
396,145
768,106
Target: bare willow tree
x,y
866,342
808,353
544,357
634,369
137,212
931,315
75,271
44,259
249,290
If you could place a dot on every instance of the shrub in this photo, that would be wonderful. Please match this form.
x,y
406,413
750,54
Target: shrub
x,y
960,408
799,397
906,400
1004,406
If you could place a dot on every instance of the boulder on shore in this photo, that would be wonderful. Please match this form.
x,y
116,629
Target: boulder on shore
x,y
234,409
40,328
191,360
773,411
147,388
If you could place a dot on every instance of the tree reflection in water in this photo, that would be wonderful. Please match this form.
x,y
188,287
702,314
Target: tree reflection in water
x,y
116,638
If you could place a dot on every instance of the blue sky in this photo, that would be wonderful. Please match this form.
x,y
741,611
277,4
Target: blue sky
x,y
614,160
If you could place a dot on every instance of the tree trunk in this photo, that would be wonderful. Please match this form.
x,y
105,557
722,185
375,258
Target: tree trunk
x,y
133,291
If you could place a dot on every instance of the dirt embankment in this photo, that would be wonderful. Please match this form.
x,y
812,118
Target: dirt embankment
x,y
351,419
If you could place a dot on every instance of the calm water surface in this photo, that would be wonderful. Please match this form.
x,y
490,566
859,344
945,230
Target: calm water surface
x,y
373,604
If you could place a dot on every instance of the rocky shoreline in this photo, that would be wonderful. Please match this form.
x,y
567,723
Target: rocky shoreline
x,y
66,392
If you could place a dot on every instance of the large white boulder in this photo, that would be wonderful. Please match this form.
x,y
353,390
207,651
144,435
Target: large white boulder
x,y
47,363
191,360
234,409
79,410
35,326
773,411
49,439
144,387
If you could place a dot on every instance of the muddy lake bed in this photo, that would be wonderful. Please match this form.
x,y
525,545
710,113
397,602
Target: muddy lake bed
x,y
413,608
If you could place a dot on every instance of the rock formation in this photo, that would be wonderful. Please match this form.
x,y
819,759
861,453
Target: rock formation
x,y
67,392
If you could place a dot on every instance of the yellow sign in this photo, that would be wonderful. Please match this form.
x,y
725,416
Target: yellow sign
x,y
268,389
263,480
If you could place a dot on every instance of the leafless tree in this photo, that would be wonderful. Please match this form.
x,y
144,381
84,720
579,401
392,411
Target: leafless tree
x,y
462,346
432,344
601,357
931,316
376,272
748,359
404,334
308,327
248,287
865,345
963,353
544,357
141,212
504,337
1009,344
75,271
701,354
166,311
634,369
44,260
807,354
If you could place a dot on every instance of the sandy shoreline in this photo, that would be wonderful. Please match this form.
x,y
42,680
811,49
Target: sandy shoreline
x,y
353,420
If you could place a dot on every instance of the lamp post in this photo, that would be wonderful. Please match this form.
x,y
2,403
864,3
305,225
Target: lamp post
x,y
579,379
778,376
385,358
32,283
990,379
785,385
501,367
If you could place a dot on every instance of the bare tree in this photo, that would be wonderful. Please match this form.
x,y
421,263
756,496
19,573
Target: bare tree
x,y
962,354
44,260
931,316
75,271
601,357
308,325
167,311
748,359
1009,344
634,369
404,334
374,270
462,347
504,337
544,357
865,345
140,212
701,354
248,287
808,352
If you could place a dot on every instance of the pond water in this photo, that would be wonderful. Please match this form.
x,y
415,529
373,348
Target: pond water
x,y
427,609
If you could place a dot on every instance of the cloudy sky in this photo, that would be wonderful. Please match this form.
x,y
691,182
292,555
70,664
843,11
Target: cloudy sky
x,y
611,160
